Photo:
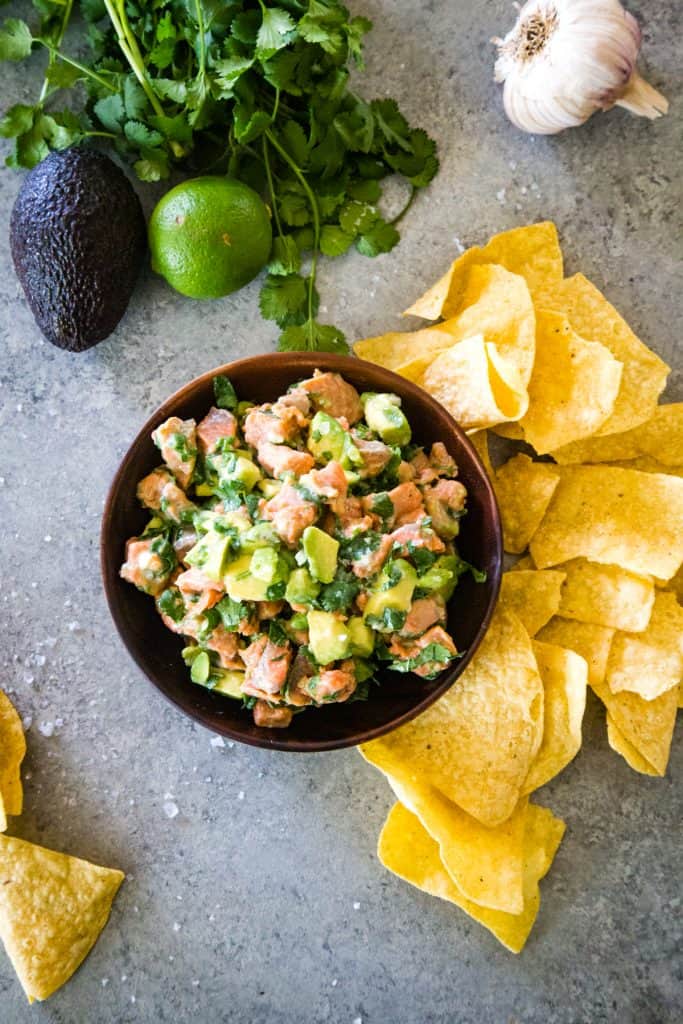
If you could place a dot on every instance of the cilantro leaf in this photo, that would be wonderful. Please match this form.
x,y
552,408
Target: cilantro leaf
x,y
283,299
171,603
340,593
313,337
232,613
277,634
276,30
382,237
334,241
15,39
224,392
285,257
17,120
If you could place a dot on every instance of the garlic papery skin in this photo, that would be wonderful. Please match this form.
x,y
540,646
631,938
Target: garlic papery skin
x,y
565,59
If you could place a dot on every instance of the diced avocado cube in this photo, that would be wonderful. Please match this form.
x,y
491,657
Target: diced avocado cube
x,y
229,683
269,488
261,535
321,553
326,438
209,554
442,576
237,517
244,472
203,490
328,637
264,564
393,590
240,583
301,588
361,637
200,669
383,415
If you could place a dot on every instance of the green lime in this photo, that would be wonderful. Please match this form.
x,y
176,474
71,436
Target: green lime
x,y
209,236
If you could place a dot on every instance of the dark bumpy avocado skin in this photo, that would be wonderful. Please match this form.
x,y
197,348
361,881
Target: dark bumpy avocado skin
x,y
78,241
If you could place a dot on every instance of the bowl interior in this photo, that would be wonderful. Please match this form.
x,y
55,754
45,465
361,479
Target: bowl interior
x,y
399,697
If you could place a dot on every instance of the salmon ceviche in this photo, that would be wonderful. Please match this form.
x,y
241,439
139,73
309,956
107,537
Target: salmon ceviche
x,y
300,545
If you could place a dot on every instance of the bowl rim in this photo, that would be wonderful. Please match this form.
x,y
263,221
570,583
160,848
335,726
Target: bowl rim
x,y
334,363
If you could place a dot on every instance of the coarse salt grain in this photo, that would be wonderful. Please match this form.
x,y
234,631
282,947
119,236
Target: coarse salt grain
x,y
46,728
170,809
217,741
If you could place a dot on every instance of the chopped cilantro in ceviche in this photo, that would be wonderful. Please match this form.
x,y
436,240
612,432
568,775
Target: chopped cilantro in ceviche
x,y
301,545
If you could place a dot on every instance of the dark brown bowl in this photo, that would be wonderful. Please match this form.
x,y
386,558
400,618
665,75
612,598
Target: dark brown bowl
x,y
399,697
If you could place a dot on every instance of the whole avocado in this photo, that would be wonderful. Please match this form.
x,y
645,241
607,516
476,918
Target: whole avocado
x,y
78,241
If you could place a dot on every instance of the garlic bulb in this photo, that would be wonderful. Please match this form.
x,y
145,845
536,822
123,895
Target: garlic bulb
x,y
565,59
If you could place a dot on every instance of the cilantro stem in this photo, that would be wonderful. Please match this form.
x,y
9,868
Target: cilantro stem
x,y
316,224
271,187
201,32
88,72
57,42
131,52
399,216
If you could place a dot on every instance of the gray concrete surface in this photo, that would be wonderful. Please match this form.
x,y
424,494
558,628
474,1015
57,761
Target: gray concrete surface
x,y
262,901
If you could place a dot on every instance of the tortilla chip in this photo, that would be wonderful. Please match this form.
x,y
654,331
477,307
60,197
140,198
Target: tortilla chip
x,y
532,251
524,490
486,864
616,516
523,564
476,744
565,677
12,751
590,641
606,595
3,815
475,385
675,585
644,464
573,387
480,442
399,348
591,315
651,662
52,909
406,849
659,439
618,742
647,725
533,595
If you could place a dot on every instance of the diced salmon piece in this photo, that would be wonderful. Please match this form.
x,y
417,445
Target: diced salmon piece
x,y
290,514
298,398
226,646
445,503
297,681
177,441
217,423
334,684
404,649
407,502
143,567
200,591
333,395
275,423
279,458
271,718
405,472
441,460
175,504
151,487
375,455
425,612
267,665
268,609
329,482
419,534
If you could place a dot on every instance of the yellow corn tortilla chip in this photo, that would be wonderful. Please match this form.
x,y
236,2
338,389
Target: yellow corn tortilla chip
x,y
645,464
565,678
675,585
621,745
532,251
533,595
52,909
616,516
651,662
606,595
480,442
399,348
12,751
3,815
486,864
590,641
475,384
573,387
475,745
591,315
524,490
406,849
647,725
523,564
660,438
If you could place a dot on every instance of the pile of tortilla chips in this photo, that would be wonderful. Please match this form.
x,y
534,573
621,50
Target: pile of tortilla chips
x,y
52,906
594,601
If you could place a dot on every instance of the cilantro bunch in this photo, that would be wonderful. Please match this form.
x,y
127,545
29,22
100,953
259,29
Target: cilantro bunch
x,y
249,88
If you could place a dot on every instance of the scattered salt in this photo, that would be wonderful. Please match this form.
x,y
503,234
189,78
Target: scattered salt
x,y
105,982
132,999
74,626
356,906
334,983
59,722
170,809
39,660
217,741
27,722
176,926
500,195
28,678
195,982
124,977
46,728
47,538
240,795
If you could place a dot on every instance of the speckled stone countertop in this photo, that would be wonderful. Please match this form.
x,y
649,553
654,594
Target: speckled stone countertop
x,y
262,899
